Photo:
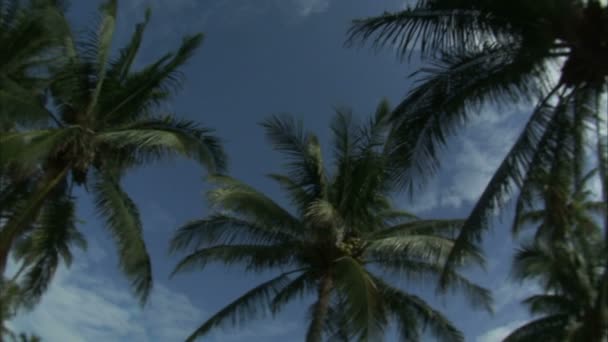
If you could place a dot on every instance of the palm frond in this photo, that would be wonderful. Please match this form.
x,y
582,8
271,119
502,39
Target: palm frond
x,y
512,170
550,304
363,305
446,228
124,224
429,26
121,67
225,229
106,32
245,307
254,257
416,270
20,105
400,303
31,148
237,197
52,240
132,96
298,287
453,88
151,139
550,328
306,166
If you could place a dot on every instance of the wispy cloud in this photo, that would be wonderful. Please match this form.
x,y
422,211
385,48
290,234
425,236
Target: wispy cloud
x,y
471,158
307,7
82,305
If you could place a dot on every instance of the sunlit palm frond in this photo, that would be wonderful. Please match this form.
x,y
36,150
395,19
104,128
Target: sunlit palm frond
x,y
151,139
241,199
225,229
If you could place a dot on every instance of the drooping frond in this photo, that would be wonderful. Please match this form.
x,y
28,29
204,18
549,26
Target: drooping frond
x,y
450,91
31,148
363,304
245,307
302,285
513,170
52,240
152,139
429,26
124,224
427,271
424,316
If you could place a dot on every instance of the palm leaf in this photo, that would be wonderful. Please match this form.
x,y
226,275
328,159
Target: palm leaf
x,y
225,229
244,307
237,197
124,224
363,305
154,138
400,303
255,257
51,241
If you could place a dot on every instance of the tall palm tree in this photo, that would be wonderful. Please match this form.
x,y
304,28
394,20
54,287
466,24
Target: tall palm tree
x,y
343,230
496,52
105,124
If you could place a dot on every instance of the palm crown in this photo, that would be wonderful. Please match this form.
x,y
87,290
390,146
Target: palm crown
x,y
497,52
105,123
343,223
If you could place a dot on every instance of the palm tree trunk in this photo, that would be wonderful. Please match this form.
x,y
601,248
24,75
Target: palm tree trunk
x,y
16,225
315,330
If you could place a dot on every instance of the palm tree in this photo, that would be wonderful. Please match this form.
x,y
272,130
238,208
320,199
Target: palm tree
x,y
344,228
571,278
567,255
105,124
496,52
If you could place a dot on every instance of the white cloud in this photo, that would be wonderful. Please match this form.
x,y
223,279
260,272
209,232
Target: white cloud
x,y
499,333
513,293
307,7
82,305
470,159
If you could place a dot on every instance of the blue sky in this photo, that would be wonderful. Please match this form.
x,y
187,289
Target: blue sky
x,y
260,58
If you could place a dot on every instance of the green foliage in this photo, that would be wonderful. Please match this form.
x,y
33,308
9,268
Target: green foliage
x,y
500,53
344,221
104,122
